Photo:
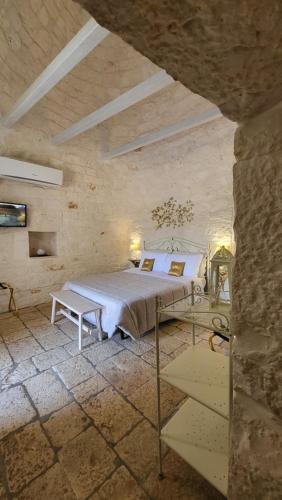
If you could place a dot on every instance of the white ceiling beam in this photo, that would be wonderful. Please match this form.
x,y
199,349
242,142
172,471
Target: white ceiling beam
x,y
120,103
77,49
164,133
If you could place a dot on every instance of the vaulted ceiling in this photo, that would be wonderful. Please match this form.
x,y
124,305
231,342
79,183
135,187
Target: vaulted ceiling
x,y
33,33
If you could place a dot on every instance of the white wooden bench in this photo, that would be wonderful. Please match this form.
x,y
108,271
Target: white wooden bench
x,y
75,303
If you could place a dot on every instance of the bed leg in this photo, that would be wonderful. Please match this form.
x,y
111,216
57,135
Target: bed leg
x,y
123,336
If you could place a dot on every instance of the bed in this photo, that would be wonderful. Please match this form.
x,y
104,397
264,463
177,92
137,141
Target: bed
x,y
128,297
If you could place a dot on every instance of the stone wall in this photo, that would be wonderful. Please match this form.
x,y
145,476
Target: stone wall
x,y
226,51
103,204
195,166
84,213
257,290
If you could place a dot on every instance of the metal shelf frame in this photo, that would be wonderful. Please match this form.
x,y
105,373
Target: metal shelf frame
x,y
195,308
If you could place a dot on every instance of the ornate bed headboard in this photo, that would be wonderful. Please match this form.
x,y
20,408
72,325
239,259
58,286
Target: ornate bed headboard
x,y
175,245
179,245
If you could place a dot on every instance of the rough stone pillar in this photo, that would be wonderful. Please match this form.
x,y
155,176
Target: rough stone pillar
x,y
256,461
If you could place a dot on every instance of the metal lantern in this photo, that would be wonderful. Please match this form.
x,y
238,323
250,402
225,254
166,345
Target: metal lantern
x,y
221,277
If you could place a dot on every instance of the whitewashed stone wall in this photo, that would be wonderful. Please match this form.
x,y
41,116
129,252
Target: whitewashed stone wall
x,y
257,433
195,166
83,213
111,201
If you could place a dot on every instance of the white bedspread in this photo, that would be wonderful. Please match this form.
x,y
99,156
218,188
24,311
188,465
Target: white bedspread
x,y
128,297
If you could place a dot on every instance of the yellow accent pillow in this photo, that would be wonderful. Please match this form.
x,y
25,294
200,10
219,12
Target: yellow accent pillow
x,y
176,268
147,265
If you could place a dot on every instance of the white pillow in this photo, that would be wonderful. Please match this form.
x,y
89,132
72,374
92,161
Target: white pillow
x,y
192,263
195,263
160,259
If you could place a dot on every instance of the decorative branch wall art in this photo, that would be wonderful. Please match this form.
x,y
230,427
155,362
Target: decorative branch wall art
x,y
173,214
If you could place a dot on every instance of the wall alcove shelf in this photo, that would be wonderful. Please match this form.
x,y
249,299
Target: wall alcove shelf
x,y
44,240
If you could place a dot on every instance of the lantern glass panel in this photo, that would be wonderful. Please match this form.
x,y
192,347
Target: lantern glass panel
x,y
220,278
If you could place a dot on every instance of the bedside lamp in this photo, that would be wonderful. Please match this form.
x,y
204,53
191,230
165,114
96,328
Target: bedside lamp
x,y
135,252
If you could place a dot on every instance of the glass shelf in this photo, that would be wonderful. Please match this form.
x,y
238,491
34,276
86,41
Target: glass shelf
x,y
200,437
203,375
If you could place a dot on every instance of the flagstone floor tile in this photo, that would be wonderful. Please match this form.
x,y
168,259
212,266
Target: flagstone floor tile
x,y
41,331
45,308
17,373
65,424
26,454
139,449
5,358
38,321
24,349
138,347
52,485
121,486
10,324
72,347
87,461
50,358
47,392
69,328
15,410
14,336
125,371
99,352
74,371
53,339
144,398
150,357
90,388
113,416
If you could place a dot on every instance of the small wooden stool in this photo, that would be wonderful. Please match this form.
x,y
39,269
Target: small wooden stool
x,y
75,303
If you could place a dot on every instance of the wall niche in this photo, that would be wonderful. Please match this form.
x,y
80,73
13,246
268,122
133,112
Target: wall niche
x,y
44,241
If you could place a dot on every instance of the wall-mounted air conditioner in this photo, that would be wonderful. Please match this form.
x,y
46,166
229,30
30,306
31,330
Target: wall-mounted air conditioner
x,y
23,171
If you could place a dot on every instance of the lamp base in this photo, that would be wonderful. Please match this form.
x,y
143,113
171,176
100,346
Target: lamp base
x,y
135,262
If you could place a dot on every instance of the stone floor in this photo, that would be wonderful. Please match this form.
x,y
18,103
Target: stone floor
x,y
82,425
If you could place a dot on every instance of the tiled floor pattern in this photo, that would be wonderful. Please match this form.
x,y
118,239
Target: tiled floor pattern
x,y
82,425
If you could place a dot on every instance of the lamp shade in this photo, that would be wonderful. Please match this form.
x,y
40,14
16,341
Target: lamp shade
x,y
134,249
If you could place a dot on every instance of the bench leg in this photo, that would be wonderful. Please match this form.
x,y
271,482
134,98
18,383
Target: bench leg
x,y
53,311
99,325
79,331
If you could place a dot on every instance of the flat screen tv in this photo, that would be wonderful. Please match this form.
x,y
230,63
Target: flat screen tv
x,y
12,215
